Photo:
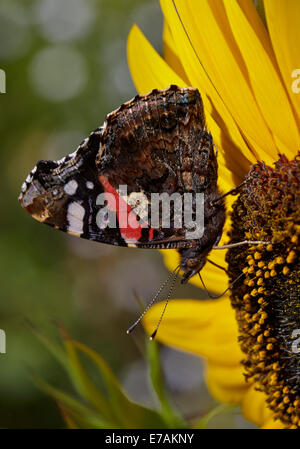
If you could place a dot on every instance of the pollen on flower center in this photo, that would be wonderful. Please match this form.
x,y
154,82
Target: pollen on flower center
x,y
267,297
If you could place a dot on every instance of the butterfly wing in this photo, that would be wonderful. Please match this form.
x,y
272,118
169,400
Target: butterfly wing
x,y
63,194
153,144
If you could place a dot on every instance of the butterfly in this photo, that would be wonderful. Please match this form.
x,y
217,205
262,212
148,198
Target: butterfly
x,y
155,144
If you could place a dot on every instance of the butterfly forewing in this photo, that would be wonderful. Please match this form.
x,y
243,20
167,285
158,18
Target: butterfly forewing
x,y
156,144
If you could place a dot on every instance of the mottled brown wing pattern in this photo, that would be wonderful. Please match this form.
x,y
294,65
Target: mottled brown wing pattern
x,y
154,142
159,143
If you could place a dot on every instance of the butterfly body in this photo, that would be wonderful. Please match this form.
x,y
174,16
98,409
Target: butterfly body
x,y
156,144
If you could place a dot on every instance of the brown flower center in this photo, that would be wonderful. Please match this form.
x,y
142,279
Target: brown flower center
x,y
267,298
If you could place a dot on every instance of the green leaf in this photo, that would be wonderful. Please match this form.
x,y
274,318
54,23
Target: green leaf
x,y
77,374
75,408
171,416
54,349
111,409
85,387
69,419
128,413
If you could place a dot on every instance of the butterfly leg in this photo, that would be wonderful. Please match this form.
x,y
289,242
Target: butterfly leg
x,y
245,242
217,265
225,291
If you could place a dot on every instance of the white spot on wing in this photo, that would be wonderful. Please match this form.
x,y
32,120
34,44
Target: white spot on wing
x,y
71,187
90,185
75,218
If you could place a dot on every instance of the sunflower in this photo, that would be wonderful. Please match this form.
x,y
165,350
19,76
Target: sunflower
x,y
243,63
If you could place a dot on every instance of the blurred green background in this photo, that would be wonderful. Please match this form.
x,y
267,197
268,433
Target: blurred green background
x,y
66,68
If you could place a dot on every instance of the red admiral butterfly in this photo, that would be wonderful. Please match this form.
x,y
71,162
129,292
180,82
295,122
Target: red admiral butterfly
x,y
154,144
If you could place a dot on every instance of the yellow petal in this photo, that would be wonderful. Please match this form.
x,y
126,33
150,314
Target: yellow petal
x,y
273,424
170,54
226,384
228,376
256,410
207,328
254,407
231,140
265,82
218,73
283,24
254,12
148,70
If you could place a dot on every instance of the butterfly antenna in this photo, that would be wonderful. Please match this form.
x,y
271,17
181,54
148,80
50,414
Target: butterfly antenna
x,y
171,275
152,336
228,288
